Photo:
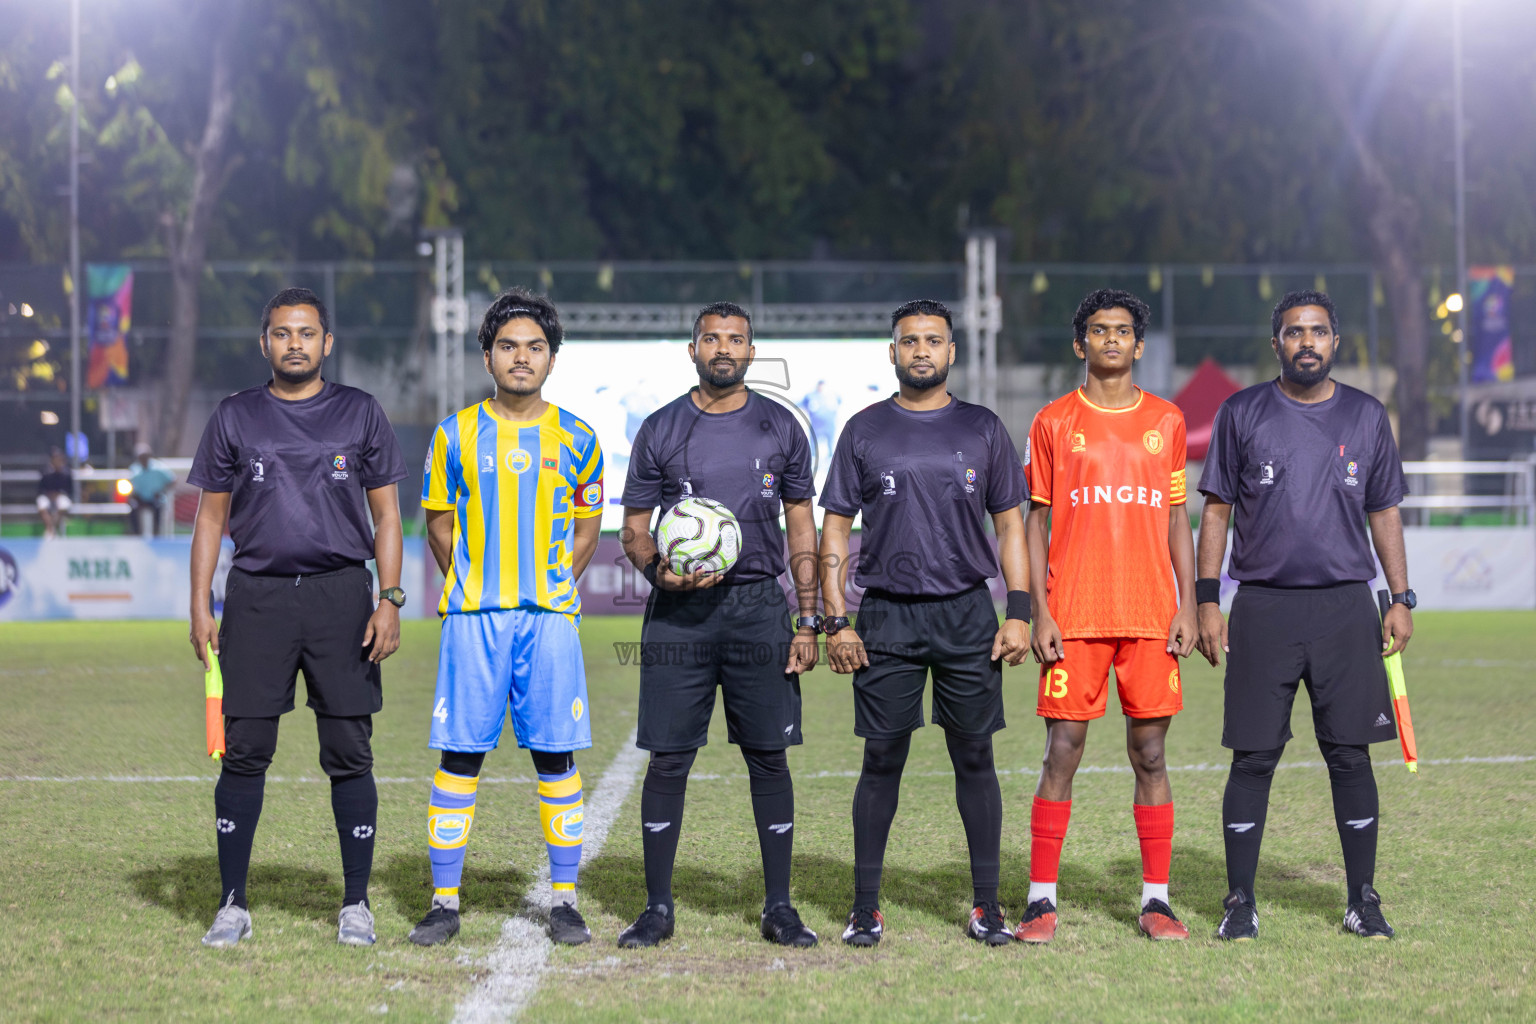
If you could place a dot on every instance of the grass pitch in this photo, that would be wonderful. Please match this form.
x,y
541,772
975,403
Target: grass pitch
x,y
106,886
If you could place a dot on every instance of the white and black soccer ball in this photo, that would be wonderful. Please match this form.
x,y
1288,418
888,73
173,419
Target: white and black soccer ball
x,y
698,533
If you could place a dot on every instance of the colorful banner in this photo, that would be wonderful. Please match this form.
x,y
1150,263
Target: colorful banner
x,y
1466,568
139,578
1493,350
109,314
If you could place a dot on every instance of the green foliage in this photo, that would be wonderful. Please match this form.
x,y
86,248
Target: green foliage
x,y
1179,131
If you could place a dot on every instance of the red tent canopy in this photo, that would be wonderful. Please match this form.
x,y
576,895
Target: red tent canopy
x,y
1198,400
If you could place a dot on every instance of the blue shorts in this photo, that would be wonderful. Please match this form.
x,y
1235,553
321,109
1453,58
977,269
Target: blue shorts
x,y
525,659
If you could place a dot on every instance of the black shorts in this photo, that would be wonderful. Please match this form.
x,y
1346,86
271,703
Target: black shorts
x,y
907,636
1326,637
733,637
276,626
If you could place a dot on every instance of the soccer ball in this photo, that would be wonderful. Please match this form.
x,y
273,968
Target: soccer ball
x,y
698,533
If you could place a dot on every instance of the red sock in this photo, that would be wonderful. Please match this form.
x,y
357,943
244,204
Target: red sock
x,y
1047,827
1154,827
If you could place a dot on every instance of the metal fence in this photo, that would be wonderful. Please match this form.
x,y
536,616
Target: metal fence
x,y
381,317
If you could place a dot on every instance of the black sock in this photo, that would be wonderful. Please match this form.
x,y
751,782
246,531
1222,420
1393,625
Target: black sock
x,y
1243,810
1356,811
773,808
355,803
874,808
980,800
661,821
237,807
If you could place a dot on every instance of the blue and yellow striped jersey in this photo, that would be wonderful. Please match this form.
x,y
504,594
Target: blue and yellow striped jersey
x,y
516,490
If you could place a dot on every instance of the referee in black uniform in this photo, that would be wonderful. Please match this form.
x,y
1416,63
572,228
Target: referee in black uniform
x,y
926,470
1307,463
296,467
725,442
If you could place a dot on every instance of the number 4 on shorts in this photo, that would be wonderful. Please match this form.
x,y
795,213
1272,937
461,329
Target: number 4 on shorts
x,y
441,711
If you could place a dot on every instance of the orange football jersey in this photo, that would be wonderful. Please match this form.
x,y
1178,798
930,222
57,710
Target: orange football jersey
x,y
1110,477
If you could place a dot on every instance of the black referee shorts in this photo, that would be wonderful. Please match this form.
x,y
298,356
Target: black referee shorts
x,y
905,637
277,626
732,637
1326,637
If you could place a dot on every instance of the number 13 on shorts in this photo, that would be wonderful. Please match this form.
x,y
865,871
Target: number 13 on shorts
x,y
1146,676
1053,682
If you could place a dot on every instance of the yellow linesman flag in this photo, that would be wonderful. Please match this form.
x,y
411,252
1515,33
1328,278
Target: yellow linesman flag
x,y
213,706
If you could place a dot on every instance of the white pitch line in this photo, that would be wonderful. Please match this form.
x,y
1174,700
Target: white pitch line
x,y
381,780
1087,769
521,956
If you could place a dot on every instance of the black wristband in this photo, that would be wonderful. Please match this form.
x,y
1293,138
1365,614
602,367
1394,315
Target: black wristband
x,y
1018,605
649,572
1208,590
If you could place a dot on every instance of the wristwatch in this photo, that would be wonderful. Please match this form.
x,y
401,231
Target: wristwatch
x,y
1407,597
810,622
394,595
834,624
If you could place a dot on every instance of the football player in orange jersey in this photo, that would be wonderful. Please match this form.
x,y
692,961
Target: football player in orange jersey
x,y
1116,587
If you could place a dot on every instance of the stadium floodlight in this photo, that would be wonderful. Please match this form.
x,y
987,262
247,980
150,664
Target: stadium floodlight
x,y
1463,357
74,233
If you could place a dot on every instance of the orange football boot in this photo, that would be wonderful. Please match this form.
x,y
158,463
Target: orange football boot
x,y
1158,923
1038,924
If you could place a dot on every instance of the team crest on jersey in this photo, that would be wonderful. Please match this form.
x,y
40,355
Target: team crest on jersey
x,y
518,460
1352,469
1152,441
1079,442
487,463
577,709
339,467
1173,679
591,495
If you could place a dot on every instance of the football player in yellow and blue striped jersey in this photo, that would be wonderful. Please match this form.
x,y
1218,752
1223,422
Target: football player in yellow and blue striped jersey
x,y
514,498
516,491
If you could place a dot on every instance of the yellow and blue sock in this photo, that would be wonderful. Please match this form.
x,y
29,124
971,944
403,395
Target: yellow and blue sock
x,y
560,812
450,815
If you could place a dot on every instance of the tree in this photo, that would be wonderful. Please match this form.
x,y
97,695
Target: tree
x,y
186,240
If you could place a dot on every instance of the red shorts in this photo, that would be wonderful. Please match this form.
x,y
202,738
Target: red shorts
x,y
1077,686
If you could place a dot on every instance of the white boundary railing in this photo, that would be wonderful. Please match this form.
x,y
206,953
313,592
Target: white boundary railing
x,y
1444,486
28,509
